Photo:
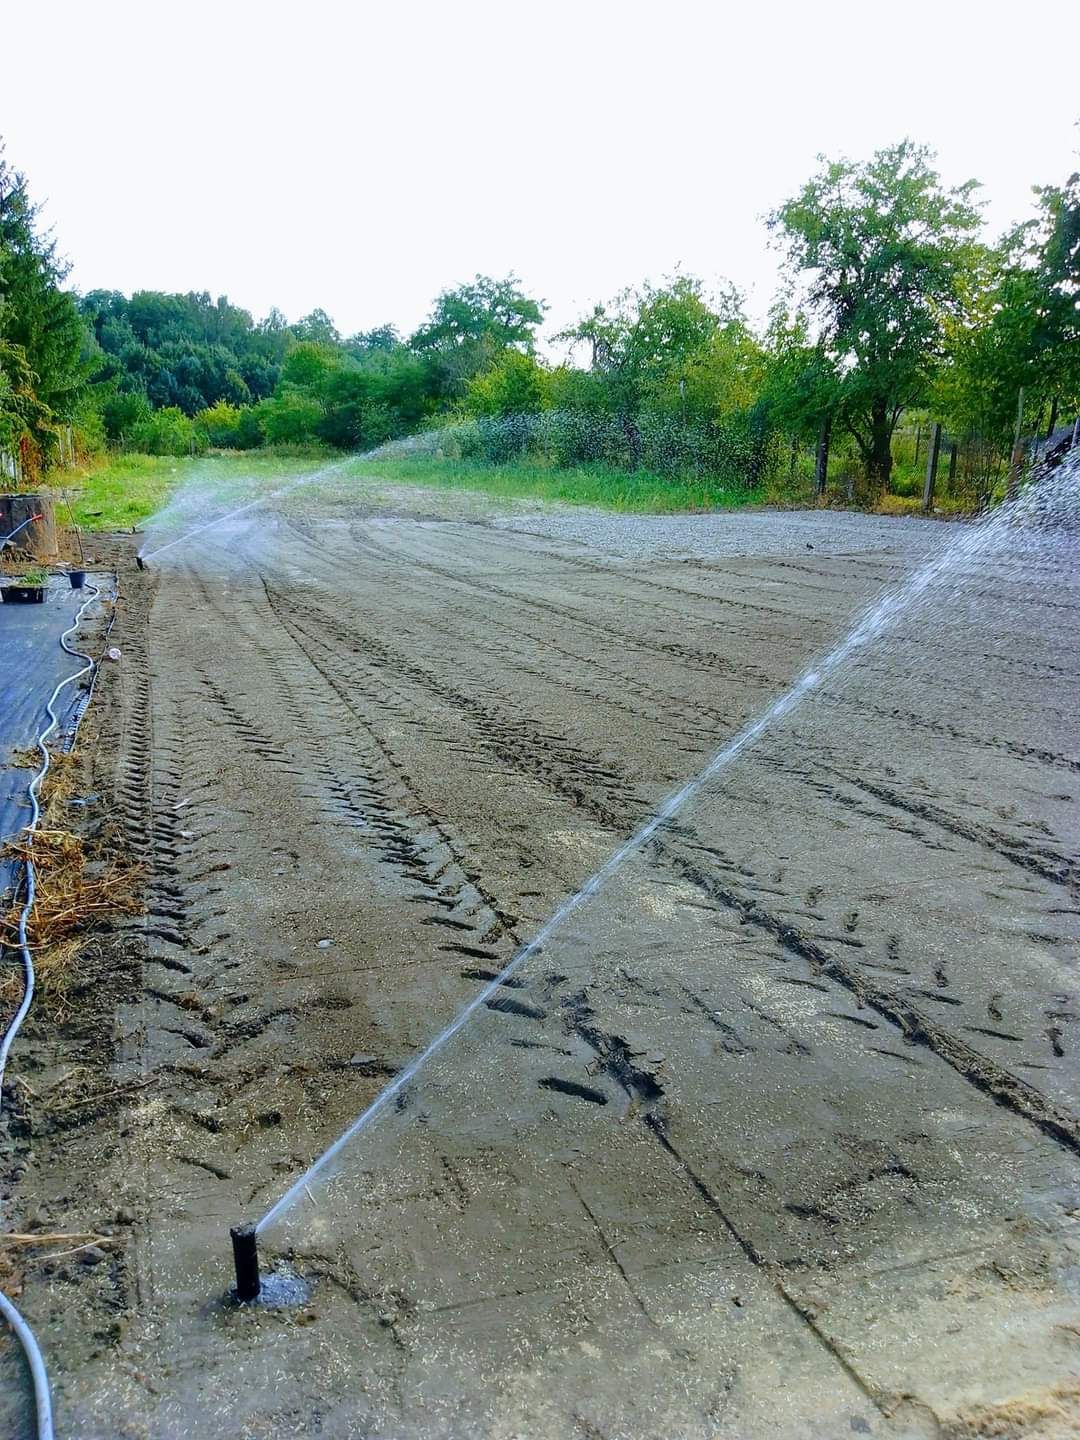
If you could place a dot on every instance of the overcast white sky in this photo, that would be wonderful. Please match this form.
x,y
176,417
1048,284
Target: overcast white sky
x,y
363,156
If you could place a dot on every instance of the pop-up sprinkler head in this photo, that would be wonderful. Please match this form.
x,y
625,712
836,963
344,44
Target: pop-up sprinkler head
x,y
140,562
246,1261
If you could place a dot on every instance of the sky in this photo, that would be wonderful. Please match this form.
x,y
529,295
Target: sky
x,y
364,156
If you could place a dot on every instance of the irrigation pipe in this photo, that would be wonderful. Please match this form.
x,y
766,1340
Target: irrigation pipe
x,y
7,539
42,1399
22,1330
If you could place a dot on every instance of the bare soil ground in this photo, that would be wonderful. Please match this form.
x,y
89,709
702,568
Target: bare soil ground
x,y
778,1137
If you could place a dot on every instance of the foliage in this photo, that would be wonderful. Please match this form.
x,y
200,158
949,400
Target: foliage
x,y
41,338
183,350
470,327
514,385
882,251
736,452
33,577
603,485
289,417
672,348
892,306
167,432
123,410
225,429
800,381
1023,329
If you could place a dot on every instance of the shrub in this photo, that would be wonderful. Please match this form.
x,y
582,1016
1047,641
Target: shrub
x,y
220,424
167,432
122,413
290,417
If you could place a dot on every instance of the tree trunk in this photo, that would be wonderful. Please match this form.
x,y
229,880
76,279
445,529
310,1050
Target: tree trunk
x,y
879,459
821,466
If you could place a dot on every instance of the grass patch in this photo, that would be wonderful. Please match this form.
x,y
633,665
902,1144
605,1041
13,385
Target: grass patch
x,y
119,492
116,492
628,490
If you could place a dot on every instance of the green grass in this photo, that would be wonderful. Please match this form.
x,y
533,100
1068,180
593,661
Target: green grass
x,y
119,492
638,490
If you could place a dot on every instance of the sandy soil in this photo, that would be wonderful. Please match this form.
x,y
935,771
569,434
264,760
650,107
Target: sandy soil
x,y
776,1137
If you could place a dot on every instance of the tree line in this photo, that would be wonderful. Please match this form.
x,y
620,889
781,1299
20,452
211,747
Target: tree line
x,y
893,305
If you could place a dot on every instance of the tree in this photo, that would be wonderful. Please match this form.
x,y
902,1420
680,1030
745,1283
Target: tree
x,y
383,337
317,327
800,383
122,412
40,327
1023,328
471,326
290,417
882,250
672,348
486,309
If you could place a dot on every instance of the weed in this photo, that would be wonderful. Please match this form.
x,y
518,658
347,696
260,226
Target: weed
x,y
604,486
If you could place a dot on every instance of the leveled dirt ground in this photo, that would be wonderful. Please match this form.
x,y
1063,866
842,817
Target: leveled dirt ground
x,y
777,1136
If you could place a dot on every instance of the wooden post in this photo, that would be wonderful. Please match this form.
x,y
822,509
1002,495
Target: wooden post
x,y
1012,488
821,470
931,469
1053,417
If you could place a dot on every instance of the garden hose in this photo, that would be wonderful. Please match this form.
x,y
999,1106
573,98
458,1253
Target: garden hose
x,y
22,1330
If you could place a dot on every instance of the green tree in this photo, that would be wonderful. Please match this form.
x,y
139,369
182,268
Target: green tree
x,y
220,424
882,251
317,327
515,385
471,326
40,327
673,349
290,417
122,411
383,337
310,364
800,382
1023,330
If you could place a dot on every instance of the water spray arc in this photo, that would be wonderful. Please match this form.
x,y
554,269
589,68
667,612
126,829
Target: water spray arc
x,y
981,538
144,556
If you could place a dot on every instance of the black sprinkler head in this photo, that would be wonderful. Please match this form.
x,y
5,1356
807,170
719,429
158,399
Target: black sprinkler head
x,y
246,1261
140,562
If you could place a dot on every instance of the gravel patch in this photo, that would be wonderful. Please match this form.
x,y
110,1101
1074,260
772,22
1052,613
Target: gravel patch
x,y
740,532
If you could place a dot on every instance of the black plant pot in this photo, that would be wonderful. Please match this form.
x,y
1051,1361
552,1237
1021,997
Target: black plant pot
x,y
77,578
23,594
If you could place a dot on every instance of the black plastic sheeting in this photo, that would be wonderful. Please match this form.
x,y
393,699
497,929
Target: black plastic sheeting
x,y
32,663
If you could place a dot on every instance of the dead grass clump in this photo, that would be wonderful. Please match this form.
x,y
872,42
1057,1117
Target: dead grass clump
x,y
1051,1414
73,895
61,780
